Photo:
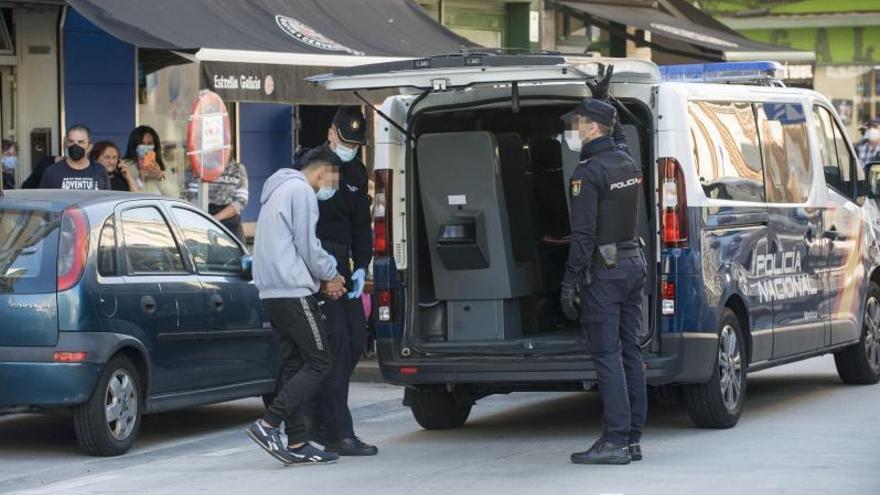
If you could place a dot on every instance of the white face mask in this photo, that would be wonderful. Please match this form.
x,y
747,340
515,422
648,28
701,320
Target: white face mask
x,y
872,134
325,193
573,140
345,153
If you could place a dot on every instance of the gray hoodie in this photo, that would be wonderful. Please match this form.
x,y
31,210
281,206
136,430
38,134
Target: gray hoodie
x,y
288,258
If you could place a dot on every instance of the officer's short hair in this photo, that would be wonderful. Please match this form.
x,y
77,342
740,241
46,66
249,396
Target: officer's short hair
x,y
604,129
79,127
316,159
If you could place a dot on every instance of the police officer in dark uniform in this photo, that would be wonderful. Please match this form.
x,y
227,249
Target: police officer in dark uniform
x,y
606,268
345,231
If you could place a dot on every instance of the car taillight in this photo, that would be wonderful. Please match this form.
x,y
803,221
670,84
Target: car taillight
x,y
385,303
667,290
673,203
382,213
73,247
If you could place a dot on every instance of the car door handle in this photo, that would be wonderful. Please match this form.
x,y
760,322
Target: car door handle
x,y
217,302
832,235
148,305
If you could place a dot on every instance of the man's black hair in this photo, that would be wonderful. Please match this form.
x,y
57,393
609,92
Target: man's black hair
x,y
315,158
79,127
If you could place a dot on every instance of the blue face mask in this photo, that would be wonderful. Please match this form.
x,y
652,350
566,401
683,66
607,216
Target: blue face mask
x,y
345,153
10,162
325,193
143,149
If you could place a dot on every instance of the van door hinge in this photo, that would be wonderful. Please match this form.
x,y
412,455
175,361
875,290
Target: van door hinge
x,y
439,84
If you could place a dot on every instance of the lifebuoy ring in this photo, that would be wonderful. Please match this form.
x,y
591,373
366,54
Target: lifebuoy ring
x,y
208,136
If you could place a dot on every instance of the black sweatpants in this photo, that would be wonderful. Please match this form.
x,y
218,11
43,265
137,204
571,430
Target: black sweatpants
x,y
305,362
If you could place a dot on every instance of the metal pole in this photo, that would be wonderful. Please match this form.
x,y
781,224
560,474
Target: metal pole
x,y
203,195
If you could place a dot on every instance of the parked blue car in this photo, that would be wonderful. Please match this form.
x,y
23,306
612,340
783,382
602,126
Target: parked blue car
x,y
116,305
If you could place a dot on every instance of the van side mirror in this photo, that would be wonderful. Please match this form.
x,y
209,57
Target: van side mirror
x,y
247,267
873,180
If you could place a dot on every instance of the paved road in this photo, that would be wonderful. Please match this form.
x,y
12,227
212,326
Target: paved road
x,y
802,433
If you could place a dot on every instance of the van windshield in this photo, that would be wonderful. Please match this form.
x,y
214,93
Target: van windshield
x,y
28,245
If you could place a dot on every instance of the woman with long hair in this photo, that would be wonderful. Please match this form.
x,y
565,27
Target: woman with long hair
x,y
107,154
143,157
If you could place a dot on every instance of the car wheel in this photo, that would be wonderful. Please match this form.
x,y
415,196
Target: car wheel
x,y
860,364
438,409
718,402
108,423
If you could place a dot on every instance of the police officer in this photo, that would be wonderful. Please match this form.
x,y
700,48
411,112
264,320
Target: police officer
x,y
606,267
345,231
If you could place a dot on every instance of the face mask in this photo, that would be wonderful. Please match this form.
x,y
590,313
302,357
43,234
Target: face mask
x,y
573,140
345,153
872,134
143,149
9,162
76,152
325,193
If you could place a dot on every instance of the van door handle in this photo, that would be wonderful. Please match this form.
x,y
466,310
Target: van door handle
x,y
832,235
217,302
148,305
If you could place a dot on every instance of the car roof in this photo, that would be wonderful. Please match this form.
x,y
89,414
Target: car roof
x,y
57,200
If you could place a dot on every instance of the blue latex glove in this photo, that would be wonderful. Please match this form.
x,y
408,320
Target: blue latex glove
x,y
358,278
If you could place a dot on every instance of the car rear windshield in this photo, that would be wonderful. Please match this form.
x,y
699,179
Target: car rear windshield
x,y
28,246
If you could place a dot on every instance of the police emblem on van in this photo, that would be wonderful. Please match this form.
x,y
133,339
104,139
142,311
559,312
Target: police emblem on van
x,y
308,36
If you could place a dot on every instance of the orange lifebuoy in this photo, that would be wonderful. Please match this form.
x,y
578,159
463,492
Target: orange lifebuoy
x,y
208,136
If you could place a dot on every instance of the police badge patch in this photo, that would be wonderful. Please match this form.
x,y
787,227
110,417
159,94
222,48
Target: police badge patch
x,y
575,187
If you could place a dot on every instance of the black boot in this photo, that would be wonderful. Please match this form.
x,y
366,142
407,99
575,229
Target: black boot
x,y
635,451
352,447
603,452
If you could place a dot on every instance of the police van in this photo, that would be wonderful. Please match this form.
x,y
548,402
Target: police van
x,y
760,227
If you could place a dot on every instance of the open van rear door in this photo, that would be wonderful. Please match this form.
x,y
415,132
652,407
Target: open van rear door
x,y
462,70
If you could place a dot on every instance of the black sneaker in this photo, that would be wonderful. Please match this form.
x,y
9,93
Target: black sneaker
x,y
309,455
635,451
603,452
269,439
352,447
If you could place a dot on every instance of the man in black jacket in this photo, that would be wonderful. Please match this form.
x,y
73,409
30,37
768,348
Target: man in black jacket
x,y
345,231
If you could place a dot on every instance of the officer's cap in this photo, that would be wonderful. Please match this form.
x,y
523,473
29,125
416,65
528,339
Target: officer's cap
x,y
595,110
350,125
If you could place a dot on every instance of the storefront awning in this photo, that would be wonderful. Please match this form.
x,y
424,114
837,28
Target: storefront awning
x,y
712,44
261,50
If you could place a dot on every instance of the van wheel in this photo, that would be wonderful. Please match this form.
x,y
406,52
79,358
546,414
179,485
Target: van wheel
x,y
438,409
860,364
108,423
718,402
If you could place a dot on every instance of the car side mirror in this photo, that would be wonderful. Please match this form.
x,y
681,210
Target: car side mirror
x,y
247,267
872,180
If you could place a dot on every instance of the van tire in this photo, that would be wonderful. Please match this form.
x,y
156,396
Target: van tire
x,y
90,422
438,409
859,364
716,403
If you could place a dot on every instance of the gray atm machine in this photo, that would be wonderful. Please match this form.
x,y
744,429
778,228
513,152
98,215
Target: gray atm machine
x,y
475,271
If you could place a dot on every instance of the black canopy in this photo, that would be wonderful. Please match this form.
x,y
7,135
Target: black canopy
x,y
246,41
683,36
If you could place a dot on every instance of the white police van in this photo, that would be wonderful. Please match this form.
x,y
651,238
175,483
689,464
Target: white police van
x,y
761,236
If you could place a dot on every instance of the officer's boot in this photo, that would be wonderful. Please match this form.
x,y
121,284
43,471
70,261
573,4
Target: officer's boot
x,y
603,452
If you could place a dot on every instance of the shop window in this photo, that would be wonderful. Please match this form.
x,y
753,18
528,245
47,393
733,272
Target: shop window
x,y
726,151
786,152
7,32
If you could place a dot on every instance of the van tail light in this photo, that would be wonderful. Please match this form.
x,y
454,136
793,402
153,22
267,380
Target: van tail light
x,y
73,247
667,291
385,303
382,213
673,203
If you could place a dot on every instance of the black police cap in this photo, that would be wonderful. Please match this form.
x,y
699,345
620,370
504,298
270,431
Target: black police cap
x,y
595,110
351,125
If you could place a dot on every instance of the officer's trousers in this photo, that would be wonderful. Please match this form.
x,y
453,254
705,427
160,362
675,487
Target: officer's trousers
x,y
346,331
611,316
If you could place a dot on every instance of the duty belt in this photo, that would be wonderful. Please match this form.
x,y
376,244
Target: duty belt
x,y
337,249
623,254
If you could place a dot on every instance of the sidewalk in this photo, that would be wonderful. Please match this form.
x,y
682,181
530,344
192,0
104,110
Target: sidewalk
x,y
367,371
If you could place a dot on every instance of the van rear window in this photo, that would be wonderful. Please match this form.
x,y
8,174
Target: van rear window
x,y
28,247
726,150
